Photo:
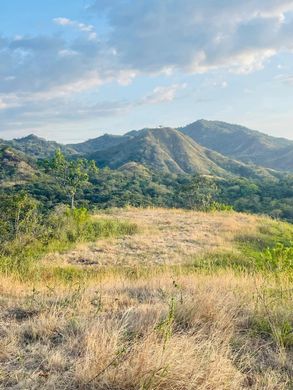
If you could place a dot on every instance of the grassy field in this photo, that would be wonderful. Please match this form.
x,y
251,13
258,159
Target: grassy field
x,y
185,300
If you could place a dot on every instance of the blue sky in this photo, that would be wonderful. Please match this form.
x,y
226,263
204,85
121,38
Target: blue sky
x,y
74,69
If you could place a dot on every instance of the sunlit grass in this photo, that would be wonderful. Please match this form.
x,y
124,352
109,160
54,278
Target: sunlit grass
x,y
220,318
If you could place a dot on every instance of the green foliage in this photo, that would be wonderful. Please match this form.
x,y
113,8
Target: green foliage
x,y
78,180
27,233
277,259
19,216
280,330
199,193
214,261
165,326
71,174
39,148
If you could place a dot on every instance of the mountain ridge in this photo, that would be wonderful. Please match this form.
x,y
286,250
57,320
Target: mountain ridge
x,y
168,150
204,147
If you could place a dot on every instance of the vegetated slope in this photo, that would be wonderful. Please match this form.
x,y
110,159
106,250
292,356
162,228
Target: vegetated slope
x,y
242,144
168,150
39,148
106,141
15,167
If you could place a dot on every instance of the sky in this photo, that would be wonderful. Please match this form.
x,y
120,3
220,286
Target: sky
x,y
72,70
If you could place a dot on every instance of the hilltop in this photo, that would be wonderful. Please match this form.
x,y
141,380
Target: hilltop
x,y
243,144
39,148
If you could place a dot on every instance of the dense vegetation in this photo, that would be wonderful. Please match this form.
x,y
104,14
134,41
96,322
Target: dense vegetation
x,y
28,231
138,186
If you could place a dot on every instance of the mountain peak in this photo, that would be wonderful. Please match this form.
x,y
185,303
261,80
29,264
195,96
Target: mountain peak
x,y
30,137
243,144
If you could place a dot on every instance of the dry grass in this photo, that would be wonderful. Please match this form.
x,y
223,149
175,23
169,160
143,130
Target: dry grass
x,y
177,331
167,237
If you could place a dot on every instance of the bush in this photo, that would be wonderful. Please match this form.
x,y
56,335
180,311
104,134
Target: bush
x,y
27,233
279,258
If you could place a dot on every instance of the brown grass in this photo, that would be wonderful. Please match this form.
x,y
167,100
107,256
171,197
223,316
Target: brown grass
x,y
177,331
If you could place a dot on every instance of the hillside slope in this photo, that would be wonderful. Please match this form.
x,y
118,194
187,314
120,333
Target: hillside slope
x,y
242,144
96,144
168,150
15,167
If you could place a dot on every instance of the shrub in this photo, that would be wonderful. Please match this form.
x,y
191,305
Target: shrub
x,y
27,233
279,258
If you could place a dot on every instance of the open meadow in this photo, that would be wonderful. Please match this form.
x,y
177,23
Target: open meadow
x,y
181,300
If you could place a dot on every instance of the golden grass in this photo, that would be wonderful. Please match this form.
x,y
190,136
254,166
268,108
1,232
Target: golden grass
x,y
172,330
166,237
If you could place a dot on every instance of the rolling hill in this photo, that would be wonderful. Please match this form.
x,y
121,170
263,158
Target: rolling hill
x,y
203,147
170,151
39,148
243,144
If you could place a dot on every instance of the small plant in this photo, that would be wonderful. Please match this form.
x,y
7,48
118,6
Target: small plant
x,y
165,326
277,259
217,206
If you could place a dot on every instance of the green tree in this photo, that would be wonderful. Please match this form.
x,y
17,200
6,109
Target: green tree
x,y
199,193
71,174
19,216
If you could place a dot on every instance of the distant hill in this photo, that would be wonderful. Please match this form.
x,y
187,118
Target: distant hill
x,y
39,148
170,151
96,144
243,144
203,147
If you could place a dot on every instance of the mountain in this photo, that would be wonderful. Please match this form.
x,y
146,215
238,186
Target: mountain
x,y
203,147
39,148
170,151
243,144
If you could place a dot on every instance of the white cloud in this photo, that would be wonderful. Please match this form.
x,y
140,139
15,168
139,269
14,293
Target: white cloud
x,y
286,79
145,37
67,53
3,105
87,28
163,94
63,21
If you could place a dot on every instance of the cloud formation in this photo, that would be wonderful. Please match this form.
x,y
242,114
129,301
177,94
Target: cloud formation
x,y
198,35
87,28
162,94
42,76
